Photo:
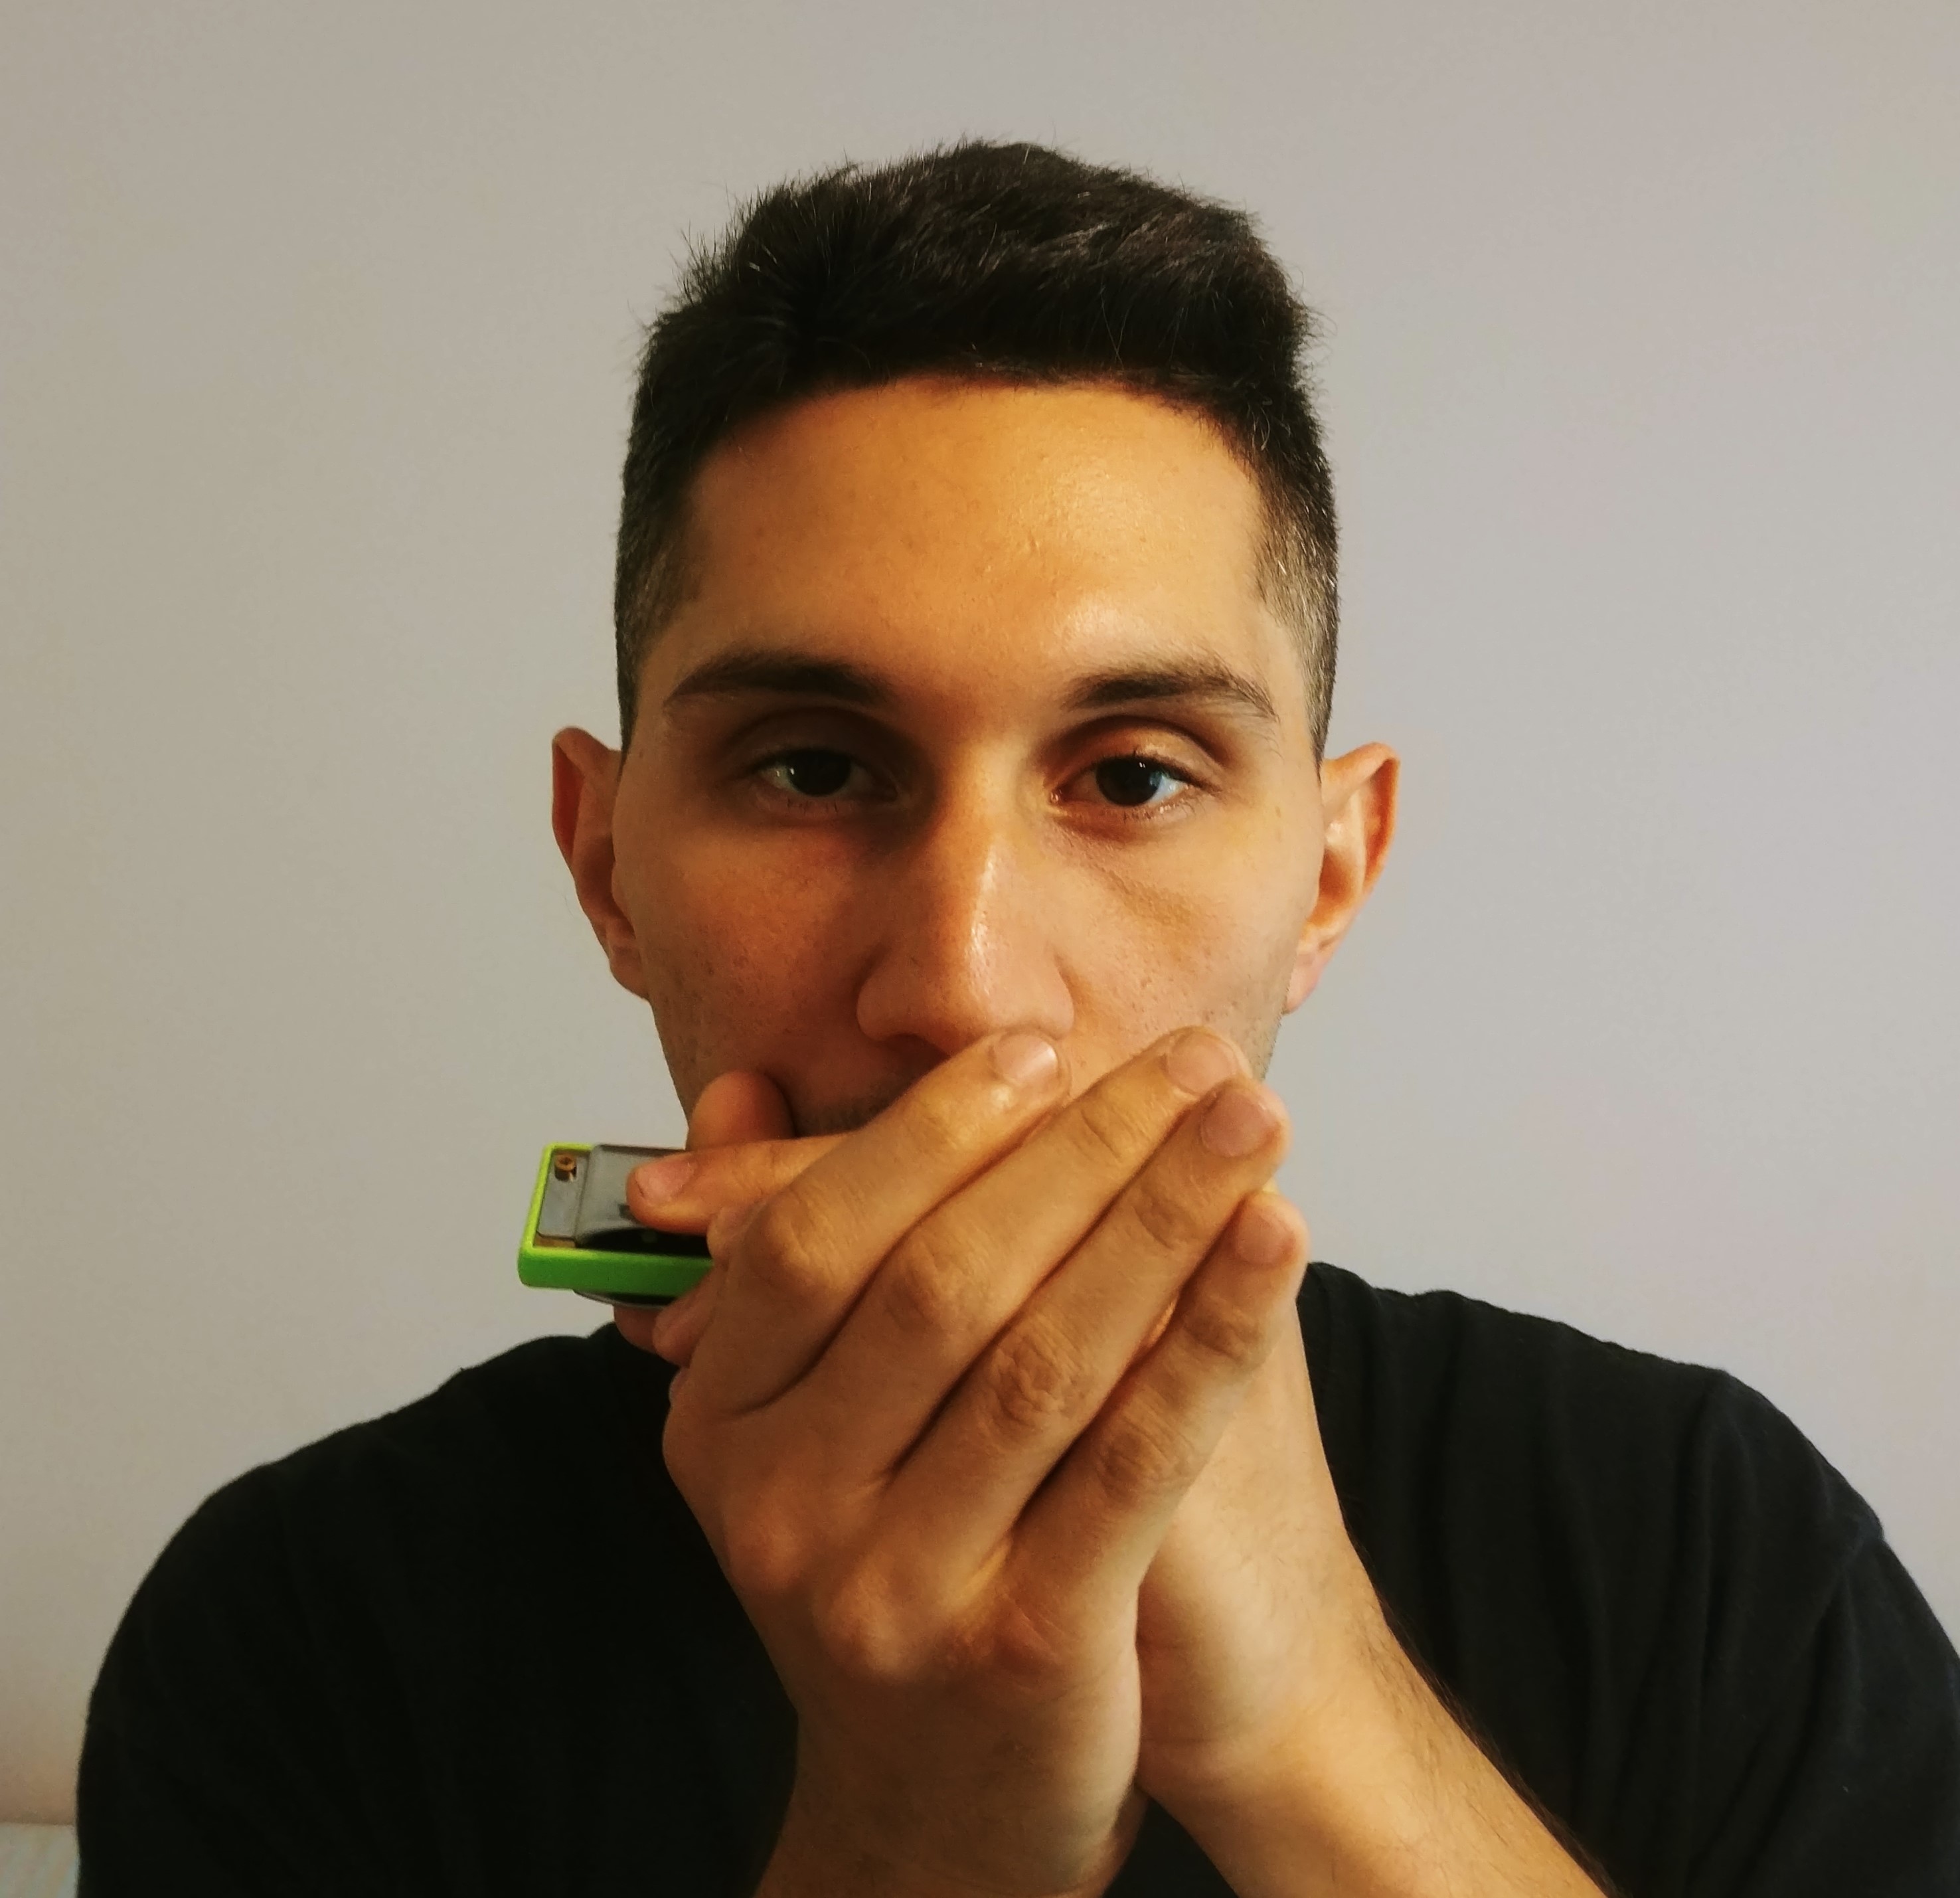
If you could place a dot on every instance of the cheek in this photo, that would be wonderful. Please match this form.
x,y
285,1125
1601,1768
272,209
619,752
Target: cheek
x,y
1209,938
742,958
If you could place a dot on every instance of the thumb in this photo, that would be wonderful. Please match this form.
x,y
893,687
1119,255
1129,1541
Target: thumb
x,y
735,1109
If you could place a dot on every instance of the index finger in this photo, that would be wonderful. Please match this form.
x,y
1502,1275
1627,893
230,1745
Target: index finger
x,y
799,1265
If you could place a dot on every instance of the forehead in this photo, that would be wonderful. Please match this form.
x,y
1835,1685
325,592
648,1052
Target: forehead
x,y
927,526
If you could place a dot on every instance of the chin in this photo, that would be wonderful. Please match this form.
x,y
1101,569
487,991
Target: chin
x,y
812,1113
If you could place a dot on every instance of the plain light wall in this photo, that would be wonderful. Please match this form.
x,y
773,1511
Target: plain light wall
x,y
316,331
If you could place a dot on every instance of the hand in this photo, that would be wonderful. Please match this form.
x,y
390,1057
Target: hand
x,y
935,1422
1281,1720
1256,1613
741,1147
1256,1601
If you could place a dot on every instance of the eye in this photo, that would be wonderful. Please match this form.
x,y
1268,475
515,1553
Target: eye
x,y
812,771
1133,782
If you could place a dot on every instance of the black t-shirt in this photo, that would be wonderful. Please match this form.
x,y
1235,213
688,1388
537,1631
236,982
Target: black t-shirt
x,y
480,1646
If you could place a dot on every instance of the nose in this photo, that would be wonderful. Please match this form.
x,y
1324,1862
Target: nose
x,y
969,945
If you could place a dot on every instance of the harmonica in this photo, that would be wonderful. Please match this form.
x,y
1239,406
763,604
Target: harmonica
x,y
579,1237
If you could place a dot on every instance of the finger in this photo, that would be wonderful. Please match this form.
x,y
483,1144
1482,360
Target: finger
x,y
1097,1524
678,1330
682,1191
672,1330
737,1109
1038,1385
802,1261
734,1109
960,1275
636,1324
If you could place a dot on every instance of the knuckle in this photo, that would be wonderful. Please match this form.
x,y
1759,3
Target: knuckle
x,y
864,1633
1034,1379
1135,1462
1019,1648
735,1179
761,1555
1232,1335
787,1244
1163,1217
925,1288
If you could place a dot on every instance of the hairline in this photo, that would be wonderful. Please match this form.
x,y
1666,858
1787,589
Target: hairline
x,y
1302,601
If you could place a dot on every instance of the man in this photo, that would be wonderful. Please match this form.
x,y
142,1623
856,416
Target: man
x,y
1020,1516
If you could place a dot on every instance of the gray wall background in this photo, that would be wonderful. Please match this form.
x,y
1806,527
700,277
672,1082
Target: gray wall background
x,y
316,333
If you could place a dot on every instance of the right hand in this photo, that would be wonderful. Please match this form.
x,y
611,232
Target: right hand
x,y
947,1390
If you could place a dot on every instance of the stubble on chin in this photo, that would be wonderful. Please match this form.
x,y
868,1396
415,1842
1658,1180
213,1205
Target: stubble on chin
x,y
842,1116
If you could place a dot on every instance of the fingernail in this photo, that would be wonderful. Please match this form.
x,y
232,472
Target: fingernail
x,y
1198,1062
1022,1060
1264,1236
660,1180
1238,1122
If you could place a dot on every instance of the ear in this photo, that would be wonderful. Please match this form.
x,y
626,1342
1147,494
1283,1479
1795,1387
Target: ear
x,y
585,779
1357,802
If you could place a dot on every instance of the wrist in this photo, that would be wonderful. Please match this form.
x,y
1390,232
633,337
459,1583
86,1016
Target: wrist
x,y
1289,1773
825,1849
1374,1787
1236,1753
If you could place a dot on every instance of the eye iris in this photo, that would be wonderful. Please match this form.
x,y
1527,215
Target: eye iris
x,y
1129,781
816,774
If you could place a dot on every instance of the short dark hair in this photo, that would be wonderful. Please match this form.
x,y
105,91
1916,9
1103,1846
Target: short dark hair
x,y
1005,263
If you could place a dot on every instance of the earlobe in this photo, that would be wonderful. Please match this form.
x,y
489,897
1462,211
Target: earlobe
x,y
1357,797
1308,961
585,779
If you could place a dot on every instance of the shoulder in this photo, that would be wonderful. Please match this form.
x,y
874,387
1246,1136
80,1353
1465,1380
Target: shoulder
x,y
335,1641
527,1395
429,1525
1461,1399
1659,1603
1433,1350
490,1441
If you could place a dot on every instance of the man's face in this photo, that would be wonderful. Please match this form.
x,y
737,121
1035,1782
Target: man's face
x,y
974,718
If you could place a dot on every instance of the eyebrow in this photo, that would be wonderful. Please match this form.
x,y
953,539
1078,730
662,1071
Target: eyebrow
x,y
752,669
757,671
1202,682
